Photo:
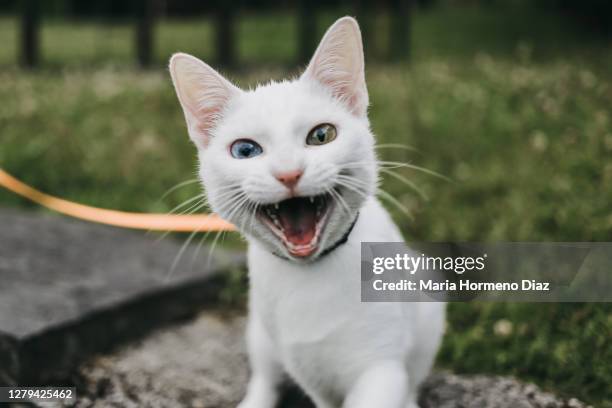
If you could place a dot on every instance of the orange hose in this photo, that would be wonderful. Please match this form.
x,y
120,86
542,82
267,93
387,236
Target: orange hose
x,y
143,221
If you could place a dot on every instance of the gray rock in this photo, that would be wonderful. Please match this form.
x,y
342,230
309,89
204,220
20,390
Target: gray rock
x,y
203,364
70,289
200,364
446,390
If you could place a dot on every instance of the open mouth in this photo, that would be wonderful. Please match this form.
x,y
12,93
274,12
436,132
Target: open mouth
x,y
298,222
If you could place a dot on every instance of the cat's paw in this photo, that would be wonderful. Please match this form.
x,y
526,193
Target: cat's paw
x,y
245,404
251,403
259,398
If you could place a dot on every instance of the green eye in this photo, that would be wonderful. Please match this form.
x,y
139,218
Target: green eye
x,y
321,134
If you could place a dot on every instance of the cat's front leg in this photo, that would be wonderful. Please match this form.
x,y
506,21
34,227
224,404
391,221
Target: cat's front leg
x,y
385,384
266,371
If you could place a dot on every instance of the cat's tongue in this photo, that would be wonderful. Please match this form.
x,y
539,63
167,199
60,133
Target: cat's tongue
x,y
299,221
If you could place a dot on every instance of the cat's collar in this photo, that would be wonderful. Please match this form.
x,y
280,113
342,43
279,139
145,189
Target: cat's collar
x,y
332,247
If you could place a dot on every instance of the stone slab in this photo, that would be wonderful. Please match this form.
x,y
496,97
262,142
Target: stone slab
x,y
70,288
202,363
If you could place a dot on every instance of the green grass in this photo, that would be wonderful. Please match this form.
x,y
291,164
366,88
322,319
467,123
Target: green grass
x,y
515,111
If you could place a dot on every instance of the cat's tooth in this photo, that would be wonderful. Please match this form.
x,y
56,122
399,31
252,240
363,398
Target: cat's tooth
x,y
277,224
319,207
311,200
276,207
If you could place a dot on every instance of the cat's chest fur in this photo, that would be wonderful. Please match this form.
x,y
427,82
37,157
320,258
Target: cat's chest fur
x,y
313,313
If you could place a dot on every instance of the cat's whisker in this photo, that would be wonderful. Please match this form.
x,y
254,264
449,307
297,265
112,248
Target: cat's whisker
x,y
338,198
195,207
363,188
396,146
237,201
414,167
394,165
360,184
176,187
199,247
356,165
352,179
254,208
186,203
244,211
234,191
212,248
162,236
407,182
404,181
228,191
238,197
354,188
254,217
237,205
248,211
229,203
178,256
233,205
395,202
230,185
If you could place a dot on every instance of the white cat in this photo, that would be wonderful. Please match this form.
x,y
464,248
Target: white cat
x,y
292,164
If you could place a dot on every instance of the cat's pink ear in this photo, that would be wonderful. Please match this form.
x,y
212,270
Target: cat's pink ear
x,y
338,65
203,94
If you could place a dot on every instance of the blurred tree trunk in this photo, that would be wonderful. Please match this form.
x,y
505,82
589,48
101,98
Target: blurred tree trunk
x,y
307,30
147,11
400,30
30,29
225,37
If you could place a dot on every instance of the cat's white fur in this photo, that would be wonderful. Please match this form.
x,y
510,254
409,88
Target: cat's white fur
x,y
306,318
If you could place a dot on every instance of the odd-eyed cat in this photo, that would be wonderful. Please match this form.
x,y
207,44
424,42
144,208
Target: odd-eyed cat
x,y
293,165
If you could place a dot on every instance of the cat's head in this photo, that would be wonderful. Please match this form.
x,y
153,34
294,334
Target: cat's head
x,y
289,163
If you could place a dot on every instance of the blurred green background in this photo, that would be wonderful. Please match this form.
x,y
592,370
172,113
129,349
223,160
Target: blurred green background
x,y
512,100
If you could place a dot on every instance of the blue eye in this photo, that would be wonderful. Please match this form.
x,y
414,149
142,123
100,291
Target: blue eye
x,y
245,149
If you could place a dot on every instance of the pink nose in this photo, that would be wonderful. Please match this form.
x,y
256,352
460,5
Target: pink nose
x,y
290,179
